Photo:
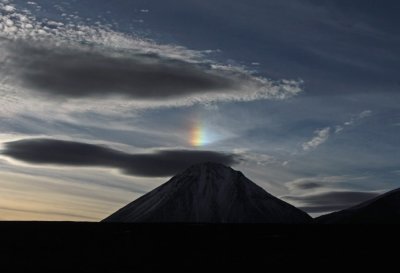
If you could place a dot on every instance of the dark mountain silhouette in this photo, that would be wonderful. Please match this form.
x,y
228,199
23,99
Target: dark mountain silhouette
x,y
384,209
209,193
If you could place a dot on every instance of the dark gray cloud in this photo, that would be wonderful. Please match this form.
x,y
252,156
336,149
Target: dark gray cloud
x,y
77,72
331,201
67,153
305,185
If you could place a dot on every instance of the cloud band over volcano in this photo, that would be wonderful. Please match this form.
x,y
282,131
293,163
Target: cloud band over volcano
x,y
67,153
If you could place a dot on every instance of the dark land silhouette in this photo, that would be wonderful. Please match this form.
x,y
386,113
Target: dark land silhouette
x,y
384,209
214,238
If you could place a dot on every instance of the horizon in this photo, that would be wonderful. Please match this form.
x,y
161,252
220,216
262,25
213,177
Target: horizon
x,y
102,102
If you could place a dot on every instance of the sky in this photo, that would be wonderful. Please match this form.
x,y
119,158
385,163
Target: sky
x,y
103,101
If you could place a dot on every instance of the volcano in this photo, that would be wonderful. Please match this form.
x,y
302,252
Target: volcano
x,y
209,193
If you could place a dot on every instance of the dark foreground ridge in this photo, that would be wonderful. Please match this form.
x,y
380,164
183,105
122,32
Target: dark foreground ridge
x,y
113,247
209,193
384,209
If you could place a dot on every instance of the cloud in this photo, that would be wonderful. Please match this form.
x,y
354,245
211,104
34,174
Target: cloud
x,y
250,157
318,182
320,137
81,62
67,153
338,129
77,73
301,184
330,201
315,183
365,114
362,115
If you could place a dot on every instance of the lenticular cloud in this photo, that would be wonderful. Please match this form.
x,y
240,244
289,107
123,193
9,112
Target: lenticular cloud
x,y
47,62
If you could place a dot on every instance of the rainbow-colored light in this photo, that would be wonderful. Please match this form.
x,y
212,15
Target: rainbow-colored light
x,y
198,135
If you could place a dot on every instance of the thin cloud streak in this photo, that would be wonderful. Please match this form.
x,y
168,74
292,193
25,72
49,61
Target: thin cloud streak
x,y
330,201
320,137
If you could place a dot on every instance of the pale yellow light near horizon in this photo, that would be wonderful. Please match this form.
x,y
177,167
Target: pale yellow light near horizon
x,y
38,198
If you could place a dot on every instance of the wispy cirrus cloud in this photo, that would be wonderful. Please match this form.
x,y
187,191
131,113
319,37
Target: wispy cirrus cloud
x,y
322,135
362,115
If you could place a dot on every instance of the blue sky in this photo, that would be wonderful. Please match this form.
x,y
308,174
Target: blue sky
x,y
301,96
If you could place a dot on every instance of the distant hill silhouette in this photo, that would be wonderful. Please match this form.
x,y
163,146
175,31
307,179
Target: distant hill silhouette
x,y
384,209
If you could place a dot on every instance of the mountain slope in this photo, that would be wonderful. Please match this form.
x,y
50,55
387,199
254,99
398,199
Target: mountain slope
x,y
209,193
384,209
